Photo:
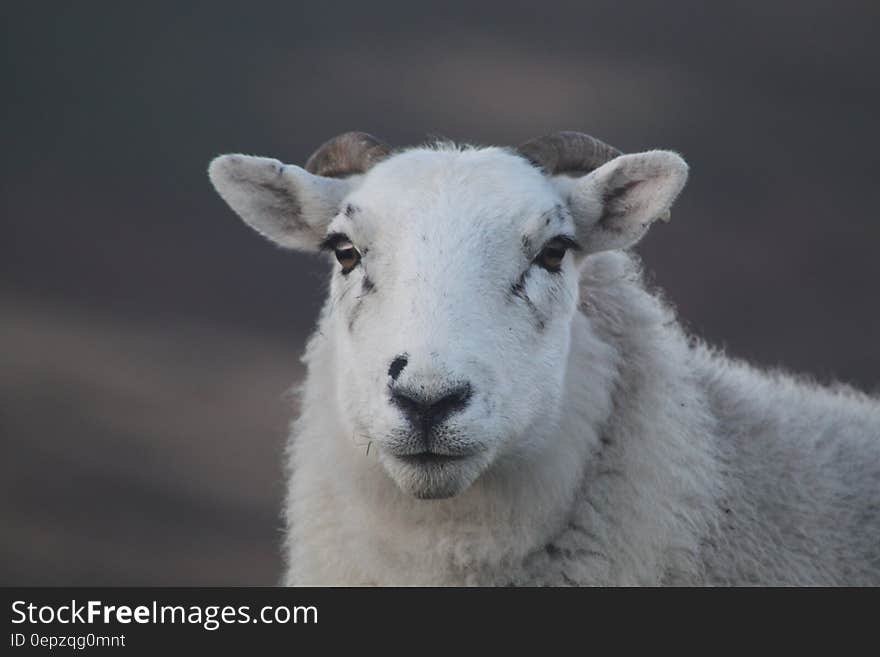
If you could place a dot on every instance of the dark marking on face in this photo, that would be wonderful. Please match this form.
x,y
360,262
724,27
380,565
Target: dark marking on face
x,y
349,211
354,314
518,289
368,287
556,213
561,213
580,529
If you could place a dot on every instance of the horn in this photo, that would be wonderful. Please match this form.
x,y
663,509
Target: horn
x,y
567,152
347,154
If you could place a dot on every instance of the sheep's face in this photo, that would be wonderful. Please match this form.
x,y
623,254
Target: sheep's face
x,y
454,284
451,301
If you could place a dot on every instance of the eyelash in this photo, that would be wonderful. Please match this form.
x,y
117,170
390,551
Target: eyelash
x,y
329,243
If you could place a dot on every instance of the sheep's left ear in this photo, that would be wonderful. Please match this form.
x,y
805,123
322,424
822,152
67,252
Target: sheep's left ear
x,y
614,206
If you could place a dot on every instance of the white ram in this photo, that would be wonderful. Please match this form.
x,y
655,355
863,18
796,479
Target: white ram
x,y
494,397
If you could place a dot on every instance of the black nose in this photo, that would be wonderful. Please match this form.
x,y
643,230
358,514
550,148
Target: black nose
x,y
427,412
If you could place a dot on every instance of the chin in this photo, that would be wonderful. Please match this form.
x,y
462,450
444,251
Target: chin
x,y
433,477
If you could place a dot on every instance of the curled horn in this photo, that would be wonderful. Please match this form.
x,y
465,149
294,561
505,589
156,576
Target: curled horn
x,y
567,152
347,154
570,152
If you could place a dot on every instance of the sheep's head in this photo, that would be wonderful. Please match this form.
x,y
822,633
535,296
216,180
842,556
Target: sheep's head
x,y
455,281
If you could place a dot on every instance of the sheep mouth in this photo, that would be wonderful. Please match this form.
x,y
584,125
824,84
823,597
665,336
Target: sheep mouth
x,y
431,458
433,475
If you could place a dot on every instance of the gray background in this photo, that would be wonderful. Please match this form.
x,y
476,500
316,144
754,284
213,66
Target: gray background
x,y
148,338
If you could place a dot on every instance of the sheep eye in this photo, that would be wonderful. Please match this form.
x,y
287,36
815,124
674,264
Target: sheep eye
x,y
553,253
550,257
347,256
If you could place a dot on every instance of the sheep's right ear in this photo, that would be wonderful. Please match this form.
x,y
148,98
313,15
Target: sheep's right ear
x,y
285,203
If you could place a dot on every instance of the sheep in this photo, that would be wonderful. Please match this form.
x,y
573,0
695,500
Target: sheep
x,y
494,397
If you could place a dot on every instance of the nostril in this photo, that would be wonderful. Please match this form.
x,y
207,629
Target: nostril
x,y
452,402
397,366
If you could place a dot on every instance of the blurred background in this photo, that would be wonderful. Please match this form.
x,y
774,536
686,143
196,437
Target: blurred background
x,y
148,339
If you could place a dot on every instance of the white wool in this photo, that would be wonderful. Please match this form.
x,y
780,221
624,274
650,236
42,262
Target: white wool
x,y
609,447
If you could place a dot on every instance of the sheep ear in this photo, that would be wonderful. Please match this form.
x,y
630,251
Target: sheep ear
x,y
614,205
285,203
